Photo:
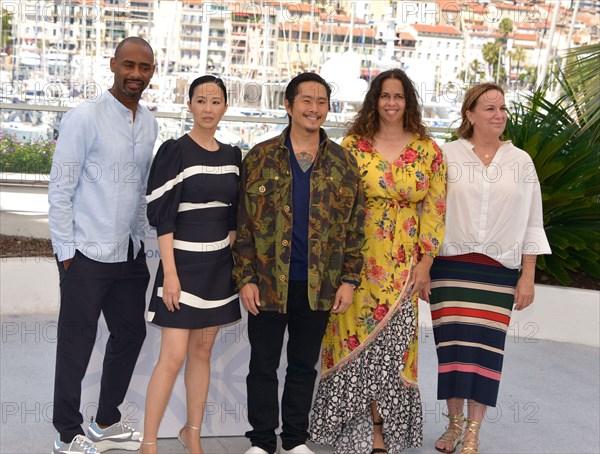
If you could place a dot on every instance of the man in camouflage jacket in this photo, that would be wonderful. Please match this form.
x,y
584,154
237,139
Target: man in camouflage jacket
x,y
297,257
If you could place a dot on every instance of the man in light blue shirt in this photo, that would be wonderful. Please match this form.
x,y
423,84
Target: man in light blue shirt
x,y
97,221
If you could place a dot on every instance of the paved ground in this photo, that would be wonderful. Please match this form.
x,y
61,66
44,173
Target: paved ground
x,y
549,398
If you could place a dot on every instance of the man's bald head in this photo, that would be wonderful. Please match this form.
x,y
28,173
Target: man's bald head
x,y
133,40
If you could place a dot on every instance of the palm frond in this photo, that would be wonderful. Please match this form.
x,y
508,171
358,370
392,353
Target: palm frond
x,y
561,136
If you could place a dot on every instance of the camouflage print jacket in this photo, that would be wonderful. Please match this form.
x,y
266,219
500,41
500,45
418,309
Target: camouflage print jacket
x,y
264,234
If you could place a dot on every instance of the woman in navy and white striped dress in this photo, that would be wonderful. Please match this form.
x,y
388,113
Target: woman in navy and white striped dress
x,y
192,202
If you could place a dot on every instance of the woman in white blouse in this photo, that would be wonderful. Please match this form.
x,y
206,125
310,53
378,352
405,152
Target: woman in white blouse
x,y
493,230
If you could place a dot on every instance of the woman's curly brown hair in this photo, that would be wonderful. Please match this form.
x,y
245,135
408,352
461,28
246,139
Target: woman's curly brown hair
x,y
366,123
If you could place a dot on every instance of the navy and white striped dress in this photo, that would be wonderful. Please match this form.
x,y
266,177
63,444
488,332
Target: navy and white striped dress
x,y
193,192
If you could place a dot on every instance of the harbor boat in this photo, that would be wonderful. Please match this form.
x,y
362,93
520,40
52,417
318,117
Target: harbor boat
x,y
27,125
26,132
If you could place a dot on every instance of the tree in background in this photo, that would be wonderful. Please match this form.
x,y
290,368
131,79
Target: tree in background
x,y
6,35
505,27
475,66
529,76
490,54
518,56
473,73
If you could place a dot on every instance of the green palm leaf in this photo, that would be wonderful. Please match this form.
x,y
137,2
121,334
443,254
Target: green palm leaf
x,y
561,136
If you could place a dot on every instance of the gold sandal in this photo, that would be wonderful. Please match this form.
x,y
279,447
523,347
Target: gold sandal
x,y
454,432
471,446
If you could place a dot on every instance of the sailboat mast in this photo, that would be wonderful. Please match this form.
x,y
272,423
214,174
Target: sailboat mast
x,y
265,62
44,60
98,37
83,43
310,36
204,43
352,10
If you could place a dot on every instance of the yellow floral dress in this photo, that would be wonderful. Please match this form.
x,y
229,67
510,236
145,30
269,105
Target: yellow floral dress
x,y
370,351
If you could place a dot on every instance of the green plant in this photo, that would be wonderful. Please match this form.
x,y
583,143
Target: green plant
x,y
562,138
34,156
582,84
6,35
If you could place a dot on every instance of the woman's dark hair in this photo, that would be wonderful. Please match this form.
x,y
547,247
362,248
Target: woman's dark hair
x,y
292,88
208,80
366,123
465,130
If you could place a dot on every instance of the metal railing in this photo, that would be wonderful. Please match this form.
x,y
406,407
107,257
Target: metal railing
x,y
244,131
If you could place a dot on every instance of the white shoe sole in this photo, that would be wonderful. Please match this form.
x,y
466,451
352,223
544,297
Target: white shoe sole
x,y
102,446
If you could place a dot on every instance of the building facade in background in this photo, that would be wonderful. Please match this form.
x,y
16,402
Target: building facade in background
x,y
69,41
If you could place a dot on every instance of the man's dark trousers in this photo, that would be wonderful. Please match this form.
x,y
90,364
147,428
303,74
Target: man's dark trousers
x,y
306,329
89,287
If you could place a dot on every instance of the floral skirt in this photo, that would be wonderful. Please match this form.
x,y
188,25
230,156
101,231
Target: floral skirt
x,y
341,414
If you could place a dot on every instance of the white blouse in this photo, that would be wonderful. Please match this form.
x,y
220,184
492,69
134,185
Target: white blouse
x,y
494,210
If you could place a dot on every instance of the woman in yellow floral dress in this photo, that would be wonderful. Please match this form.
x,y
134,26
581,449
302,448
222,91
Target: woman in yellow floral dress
x,y
368,399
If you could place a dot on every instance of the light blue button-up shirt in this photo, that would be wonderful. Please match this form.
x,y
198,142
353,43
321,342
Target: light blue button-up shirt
x,y
98,180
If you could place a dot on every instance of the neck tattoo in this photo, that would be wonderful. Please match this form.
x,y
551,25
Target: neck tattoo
x,y
305,160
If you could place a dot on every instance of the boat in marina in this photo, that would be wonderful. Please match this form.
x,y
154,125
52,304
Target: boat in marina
x,y
441,116
27,126
26,132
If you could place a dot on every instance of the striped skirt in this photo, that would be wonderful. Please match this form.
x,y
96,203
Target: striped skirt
x,y
472,297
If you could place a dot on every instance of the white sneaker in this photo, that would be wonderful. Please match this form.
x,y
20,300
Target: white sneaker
x,y
300,449
118,436
79,445
256,450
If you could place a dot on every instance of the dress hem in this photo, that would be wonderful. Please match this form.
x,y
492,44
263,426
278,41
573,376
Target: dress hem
x,y
371,337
